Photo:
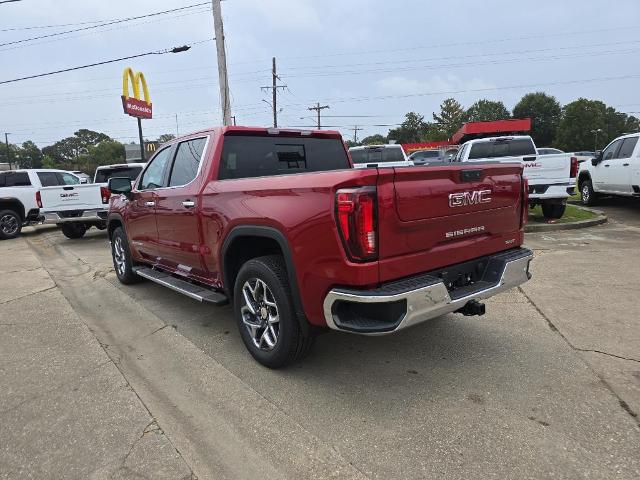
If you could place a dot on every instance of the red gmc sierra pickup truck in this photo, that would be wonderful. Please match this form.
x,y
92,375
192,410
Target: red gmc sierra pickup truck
x,y
280,224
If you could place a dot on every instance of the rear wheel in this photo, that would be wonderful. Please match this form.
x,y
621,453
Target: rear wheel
x,y
265,315
122,260
10,224
553,211
73,230
587,195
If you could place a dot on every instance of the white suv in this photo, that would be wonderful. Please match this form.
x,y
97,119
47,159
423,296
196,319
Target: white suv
x,y
614,170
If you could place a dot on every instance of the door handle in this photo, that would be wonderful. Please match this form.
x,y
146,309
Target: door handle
x,y
150,204
625,164
606,165
188,204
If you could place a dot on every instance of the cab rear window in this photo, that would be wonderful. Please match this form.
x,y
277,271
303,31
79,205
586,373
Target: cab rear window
x,y
104,174
377,155
14,179
257,156
516,147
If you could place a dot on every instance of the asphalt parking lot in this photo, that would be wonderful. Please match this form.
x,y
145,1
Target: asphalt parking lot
x,y
545,385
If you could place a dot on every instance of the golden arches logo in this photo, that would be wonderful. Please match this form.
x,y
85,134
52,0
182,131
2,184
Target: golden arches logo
x,y
134,105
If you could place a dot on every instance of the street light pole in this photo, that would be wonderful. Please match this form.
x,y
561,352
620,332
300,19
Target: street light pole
x,y
595,142
223,79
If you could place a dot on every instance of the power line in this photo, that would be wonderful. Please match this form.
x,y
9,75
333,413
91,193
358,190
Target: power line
x,y
161,52
112,22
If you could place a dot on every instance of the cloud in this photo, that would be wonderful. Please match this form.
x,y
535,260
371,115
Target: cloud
x,y
401,85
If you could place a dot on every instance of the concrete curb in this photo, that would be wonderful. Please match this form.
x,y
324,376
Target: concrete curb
x,y
551,227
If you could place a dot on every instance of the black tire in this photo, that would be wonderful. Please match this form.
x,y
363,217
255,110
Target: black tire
x,y
553,211
10,224
73,230
587,196
122,261
291,343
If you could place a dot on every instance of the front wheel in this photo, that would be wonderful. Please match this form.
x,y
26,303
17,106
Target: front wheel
x,y
122,260
553,211
587,194
73,230
10,224
265,315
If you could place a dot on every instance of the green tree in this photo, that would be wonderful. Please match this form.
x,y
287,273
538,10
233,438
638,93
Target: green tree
x,y
544,112
106,152
65,151
165,137
486,111
410,131
376,139
579,119
451,117
8,156
29,155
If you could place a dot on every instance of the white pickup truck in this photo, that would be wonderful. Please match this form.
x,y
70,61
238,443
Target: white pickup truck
x,y
77,208
20,198
551,178
614,171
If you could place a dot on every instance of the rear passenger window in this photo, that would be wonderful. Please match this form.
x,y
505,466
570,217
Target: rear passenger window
x,y
256,156
187,161
19,179
627,148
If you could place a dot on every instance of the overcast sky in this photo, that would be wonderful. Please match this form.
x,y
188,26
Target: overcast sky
x,y
370,61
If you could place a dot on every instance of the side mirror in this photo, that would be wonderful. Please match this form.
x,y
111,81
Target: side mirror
x,y
120,185
597,159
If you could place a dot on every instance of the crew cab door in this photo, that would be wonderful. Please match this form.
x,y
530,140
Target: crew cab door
x,y
622,166
141,214
177,211
604,176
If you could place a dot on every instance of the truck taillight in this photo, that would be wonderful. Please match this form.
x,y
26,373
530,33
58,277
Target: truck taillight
x,y
39,199
356,215
524,218
105,193
574,167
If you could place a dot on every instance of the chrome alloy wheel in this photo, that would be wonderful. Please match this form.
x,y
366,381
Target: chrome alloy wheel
x,y
585,192
260,314
119,256
9,224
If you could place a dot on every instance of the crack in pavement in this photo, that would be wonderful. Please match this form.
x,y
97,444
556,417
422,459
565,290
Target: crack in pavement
x,y
607,353
623,404
29,294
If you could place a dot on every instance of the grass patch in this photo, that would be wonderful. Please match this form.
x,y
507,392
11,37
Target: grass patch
x,y
571,214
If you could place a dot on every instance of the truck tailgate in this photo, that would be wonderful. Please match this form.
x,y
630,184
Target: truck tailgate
x,y
447,214
71,197
547,168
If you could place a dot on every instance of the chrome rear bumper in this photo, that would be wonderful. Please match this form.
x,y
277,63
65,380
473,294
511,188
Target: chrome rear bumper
x,y
91,216
416,299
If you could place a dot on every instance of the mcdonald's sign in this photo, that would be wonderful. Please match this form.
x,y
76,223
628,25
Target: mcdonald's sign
x,y
135,106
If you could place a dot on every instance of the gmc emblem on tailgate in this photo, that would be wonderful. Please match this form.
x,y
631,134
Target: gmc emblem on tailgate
x,y
469,198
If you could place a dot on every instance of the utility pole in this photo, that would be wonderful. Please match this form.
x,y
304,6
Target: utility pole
x,y
274,90
223,79
355,129
6,142
177,129
317,108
